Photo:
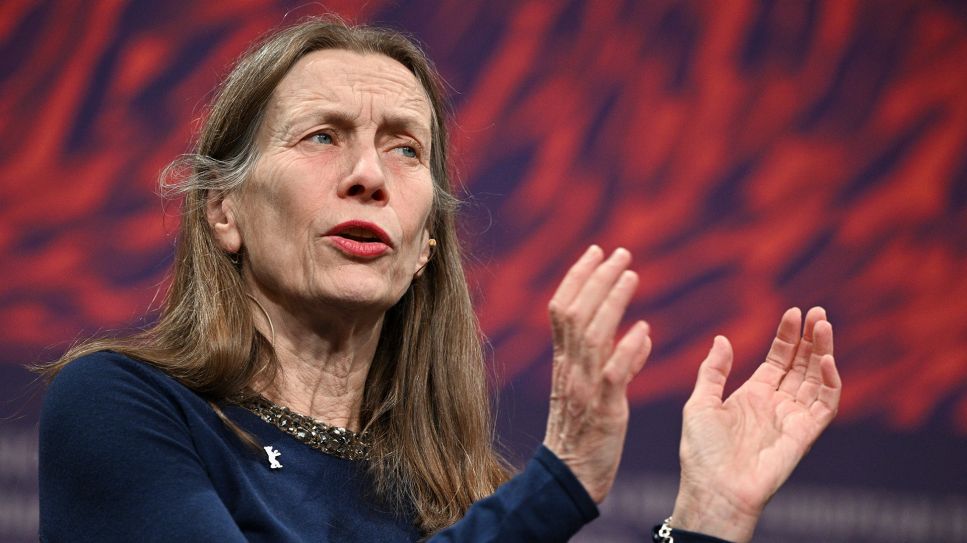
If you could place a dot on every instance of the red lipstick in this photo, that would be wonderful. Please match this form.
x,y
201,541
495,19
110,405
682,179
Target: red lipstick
x,y
359,239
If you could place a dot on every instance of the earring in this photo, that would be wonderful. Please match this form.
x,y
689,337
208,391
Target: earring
x,y
233,257
432,243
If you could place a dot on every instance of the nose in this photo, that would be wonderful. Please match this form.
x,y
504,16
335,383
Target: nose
x,y
366,181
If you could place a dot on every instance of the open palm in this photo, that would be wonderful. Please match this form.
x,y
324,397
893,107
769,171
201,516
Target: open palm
x,y
736,454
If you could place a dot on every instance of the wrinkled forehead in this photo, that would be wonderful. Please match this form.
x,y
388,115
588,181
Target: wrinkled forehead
x,y
360,84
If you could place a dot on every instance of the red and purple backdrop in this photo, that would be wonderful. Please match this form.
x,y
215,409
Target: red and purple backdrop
x,y
753,156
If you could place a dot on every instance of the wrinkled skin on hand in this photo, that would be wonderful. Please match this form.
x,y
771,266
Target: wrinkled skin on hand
x,y
589,406
736,454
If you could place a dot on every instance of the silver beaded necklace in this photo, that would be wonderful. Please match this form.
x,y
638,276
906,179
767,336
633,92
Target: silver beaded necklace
x,y
332,440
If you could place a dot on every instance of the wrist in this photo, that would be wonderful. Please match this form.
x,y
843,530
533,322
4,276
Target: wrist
x,y
583,471
705,511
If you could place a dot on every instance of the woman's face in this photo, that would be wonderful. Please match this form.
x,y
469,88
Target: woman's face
x,y
336,211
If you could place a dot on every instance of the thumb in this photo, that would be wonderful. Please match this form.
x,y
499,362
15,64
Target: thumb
x,y
713,372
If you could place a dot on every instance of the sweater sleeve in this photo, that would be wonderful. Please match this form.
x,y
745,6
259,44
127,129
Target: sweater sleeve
x,y
544,503
117,461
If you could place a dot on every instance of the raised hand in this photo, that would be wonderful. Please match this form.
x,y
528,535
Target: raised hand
x,y
736,454
589,407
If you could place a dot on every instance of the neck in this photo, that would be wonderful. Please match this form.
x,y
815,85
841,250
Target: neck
x,y
324,359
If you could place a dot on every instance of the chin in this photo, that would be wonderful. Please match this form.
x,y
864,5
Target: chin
x,y
369,293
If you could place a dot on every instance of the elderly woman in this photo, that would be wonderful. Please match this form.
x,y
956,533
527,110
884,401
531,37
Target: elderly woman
x,y
316,373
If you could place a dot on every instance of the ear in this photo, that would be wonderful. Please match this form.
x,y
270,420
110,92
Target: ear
x,y
220,209
426,251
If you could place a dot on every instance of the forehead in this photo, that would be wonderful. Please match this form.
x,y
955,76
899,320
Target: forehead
x,y
336,77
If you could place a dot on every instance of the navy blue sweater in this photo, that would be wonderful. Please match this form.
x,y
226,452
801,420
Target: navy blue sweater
x,y
129,454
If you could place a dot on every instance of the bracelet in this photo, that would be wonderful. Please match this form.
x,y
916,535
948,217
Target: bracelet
x,y
664,532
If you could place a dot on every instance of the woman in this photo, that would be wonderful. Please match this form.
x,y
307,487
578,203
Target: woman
x,y
316,372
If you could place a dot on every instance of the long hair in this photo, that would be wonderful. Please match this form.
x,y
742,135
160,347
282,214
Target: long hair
x,y
426,399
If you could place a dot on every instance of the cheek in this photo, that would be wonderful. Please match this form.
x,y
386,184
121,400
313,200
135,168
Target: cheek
x,y
416,204
413,212
274,227
282,197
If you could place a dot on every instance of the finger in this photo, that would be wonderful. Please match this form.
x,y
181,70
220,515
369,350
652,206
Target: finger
x,y
639,362
714,372
791,382
827,402
600,332
813,379
814,315
629,356
596,289
782,351
575,278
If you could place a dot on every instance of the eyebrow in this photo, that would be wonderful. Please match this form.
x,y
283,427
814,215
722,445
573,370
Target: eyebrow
x,y
392,122
408,123
291,122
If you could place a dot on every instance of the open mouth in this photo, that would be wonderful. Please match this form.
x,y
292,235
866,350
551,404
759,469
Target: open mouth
x,y
360,239
361,235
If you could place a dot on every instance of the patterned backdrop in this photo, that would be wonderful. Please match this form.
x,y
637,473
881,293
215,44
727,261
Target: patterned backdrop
x,y
752,156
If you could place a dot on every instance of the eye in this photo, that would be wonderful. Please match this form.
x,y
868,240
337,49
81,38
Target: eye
x,y
407,151
321,137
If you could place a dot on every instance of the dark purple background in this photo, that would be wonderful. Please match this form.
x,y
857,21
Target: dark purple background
x,y
753,156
